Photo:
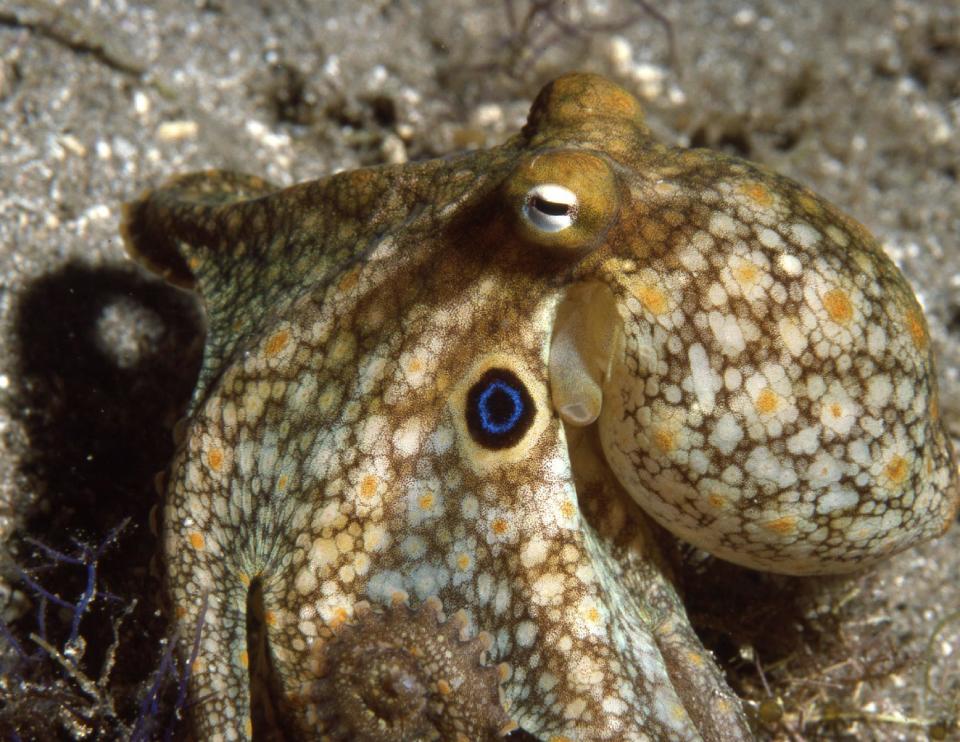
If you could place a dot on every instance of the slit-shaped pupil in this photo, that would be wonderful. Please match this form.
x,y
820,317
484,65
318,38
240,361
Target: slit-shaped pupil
x,y
551,208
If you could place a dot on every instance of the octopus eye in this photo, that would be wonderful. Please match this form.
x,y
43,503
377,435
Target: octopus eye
x,y
563,201
499,409
550,207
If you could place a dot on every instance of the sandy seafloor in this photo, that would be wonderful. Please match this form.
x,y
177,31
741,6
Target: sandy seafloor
x,y
858,99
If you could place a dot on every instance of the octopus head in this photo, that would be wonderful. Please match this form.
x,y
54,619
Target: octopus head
x,y
759,371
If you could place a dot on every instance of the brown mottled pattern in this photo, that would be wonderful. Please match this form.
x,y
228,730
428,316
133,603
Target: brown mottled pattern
x,y
472,380
399,674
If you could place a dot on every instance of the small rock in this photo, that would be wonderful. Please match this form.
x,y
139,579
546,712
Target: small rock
x,y
177,131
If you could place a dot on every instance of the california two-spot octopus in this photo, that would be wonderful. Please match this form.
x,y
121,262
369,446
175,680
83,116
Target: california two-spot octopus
x,y
440,403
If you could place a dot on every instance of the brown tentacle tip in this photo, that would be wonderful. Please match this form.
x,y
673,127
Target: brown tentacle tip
x,y
402,674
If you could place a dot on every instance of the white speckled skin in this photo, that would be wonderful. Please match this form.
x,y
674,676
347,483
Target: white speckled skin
x,y
432,380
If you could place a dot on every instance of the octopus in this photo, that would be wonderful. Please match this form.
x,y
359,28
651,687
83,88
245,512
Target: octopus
x,y
448,411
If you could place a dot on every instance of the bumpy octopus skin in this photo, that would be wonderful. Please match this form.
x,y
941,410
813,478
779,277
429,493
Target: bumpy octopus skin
x,y
397,674
473,379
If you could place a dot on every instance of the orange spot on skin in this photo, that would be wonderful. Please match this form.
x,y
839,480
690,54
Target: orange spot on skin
x,y
248,727
784,526
696,658
592,615
426,501
718,501
193,263
244,579
368,486
270,618
215,459
180,611
757,193
197,666
567,509
196,540
499,526
443,687
746,273
917,330
282,482
463,561
836,410
652,298
767,401
897,469
339,618
665,440
415,366
838,306
277,342
244,659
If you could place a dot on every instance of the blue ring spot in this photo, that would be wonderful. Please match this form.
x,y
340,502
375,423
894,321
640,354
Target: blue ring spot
x,y
487,419
499,409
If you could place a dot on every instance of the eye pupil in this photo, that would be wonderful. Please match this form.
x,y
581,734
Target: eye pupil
x,y
551,208
499,409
